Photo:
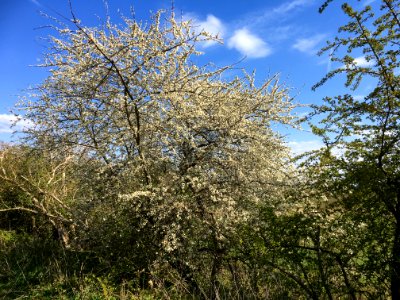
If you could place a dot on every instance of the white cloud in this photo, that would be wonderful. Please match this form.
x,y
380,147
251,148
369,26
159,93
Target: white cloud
x,y
362,62
249,44
211,24
358,97
309,45
8,120
291,5
300,147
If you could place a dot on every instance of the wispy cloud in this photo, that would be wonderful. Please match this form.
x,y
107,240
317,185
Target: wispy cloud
x,y
249,44
309,45
250,33
329,63
368,2
37,3
211,24
291,5
10,122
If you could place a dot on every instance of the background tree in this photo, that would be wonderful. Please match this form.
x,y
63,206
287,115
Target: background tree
x,y
366,178
39,185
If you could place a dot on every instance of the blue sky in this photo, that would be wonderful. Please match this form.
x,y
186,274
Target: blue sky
x,y
270,36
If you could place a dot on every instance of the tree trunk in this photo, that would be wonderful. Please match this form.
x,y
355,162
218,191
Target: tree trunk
x,y
217,263
324,280
214,289
187,275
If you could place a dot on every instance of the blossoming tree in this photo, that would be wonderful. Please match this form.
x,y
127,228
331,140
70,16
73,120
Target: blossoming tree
x,y
189,151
